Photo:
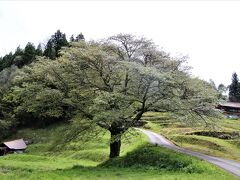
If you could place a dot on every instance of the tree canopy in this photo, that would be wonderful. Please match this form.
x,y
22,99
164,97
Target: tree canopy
x,y
111,83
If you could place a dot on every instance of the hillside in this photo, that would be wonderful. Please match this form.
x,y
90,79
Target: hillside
x,y
51,157
222,139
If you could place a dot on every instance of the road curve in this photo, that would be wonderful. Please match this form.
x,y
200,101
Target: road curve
x,y
228,165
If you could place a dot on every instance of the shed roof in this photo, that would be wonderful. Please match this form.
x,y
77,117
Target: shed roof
x,y
16,144
230,104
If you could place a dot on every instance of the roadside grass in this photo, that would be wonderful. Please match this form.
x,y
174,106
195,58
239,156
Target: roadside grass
x,y
182,135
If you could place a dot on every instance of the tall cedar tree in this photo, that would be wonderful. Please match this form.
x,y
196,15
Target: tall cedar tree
x,y
54,44
79,37
39,51
26,56
29,53
72,39
234,89
7,61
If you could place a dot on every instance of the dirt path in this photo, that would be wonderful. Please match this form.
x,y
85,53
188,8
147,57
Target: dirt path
x,y
228,165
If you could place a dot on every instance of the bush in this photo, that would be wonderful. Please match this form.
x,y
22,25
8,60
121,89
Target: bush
x,y
152,157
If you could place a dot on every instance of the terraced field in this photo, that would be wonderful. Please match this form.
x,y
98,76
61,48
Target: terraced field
x,y
184,135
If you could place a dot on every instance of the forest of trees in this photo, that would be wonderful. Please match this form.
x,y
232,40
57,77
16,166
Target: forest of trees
x,y
28,54
13,62
109,83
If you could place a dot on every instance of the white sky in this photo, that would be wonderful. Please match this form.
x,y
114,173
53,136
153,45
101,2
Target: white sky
x,y
207,31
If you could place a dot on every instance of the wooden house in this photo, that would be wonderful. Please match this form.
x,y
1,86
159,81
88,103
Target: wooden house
x,y
17,146
230,108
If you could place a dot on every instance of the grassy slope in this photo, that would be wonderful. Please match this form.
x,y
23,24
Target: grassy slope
x,y
78,160
162,123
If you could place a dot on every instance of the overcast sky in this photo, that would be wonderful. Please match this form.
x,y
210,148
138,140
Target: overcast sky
x,y
207,31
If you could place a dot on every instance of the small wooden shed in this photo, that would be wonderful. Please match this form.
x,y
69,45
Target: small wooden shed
x,y
17,146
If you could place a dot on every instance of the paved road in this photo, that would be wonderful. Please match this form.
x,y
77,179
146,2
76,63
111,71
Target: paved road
x,y
229,165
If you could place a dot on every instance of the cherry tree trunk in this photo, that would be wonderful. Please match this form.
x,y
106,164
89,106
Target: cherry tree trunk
x,y
115,144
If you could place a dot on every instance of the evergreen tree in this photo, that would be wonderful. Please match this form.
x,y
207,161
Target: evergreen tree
x,y
49,50
29,54
7,61
59,40
54,44
18,51
222,92
72,39
26,56
79,37
39,51
18,56
234,89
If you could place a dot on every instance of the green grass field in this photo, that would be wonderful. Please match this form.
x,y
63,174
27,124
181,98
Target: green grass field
x,y
49,158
